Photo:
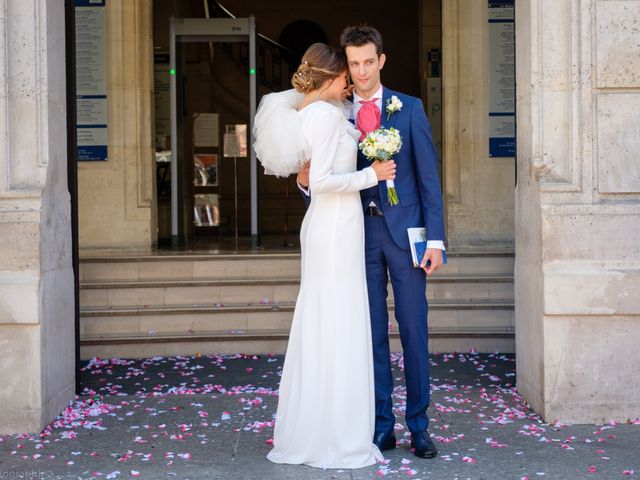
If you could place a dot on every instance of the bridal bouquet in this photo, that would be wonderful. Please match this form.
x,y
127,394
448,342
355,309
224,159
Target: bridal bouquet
x,y
382,144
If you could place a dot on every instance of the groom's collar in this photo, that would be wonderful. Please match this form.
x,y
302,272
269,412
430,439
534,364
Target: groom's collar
x,y
378,94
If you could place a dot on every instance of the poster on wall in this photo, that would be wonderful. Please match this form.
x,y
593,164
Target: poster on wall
x,y
205,129
205,170
206,210
91,80
502,81
235,141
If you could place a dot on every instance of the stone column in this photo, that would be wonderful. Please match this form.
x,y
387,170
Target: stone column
x,y
36,277
116,205
478,190
578,208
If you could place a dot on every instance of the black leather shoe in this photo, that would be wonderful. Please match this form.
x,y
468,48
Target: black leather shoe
x,y
422,445
385,440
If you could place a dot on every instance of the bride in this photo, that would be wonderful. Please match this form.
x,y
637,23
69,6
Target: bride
x,y
325,415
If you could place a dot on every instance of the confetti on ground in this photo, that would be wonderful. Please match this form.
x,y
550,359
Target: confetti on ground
x,y
136,417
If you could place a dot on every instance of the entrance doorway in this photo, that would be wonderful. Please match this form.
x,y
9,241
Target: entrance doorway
x,y
212,81
206,126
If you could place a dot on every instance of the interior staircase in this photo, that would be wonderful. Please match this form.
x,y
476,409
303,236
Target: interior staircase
x,y
161,304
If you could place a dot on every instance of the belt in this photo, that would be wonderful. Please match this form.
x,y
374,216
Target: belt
x,y
374,212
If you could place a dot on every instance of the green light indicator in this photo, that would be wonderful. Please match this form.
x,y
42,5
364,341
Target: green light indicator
x,y
172,71
252,71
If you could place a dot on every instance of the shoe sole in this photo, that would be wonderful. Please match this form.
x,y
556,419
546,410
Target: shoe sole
x,y
388,446
427,456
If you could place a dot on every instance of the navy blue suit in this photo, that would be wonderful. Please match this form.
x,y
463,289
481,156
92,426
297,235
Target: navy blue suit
x,y
387,255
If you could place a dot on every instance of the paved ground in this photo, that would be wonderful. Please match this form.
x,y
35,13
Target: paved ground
x,y
210,417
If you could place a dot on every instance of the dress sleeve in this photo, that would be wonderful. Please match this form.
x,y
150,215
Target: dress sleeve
x,y
278,139
324,129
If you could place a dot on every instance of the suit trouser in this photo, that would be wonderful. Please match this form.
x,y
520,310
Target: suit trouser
x,y
383,255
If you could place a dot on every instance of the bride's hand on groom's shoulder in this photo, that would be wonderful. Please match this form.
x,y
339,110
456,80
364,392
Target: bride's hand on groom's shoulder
x,y
432,260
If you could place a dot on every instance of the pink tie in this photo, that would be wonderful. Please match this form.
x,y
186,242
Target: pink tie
x,y
368,117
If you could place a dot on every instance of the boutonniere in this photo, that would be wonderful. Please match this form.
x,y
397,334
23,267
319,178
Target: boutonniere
x,y
393,105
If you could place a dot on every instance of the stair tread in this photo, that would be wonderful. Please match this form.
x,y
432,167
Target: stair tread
x,y
248,333
227,307
144,256
285,280
186,282
265,307
160,257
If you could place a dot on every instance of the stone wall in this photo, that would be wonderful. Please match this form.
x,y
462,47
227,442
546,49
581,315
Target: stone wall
x,y
478,189
36,276
578,208
116,197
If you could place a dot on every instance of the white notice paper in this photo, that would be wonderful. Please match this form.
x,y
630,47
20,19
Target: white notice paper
x,y
205,129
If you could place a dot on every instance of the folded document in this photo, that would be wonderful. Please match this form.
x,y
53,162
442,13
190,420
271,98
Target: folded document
x,y
418,245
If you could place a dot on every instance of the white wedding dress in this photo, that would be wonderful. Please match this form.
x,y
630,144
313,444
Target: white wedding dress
x,y
326,410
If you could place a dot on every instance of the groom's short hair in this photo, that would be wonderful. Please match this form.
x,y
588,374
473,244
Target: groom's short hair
x,y
358,35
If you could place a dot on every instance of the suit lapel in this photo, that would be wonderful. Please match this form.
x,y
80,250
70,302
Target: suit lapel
x,y
383,108
386,97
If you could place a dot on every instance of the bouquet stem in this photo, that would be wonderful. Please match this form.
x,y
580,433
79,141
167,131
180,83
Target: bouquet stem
x,y
392,195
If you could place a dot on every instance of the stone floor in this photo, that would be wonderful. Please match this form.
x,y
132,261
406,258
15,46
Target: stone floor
x,y
210,417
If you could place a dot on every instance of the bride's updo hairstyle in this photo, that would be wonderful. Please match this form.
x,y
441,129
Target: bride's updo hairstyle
x,y
320,63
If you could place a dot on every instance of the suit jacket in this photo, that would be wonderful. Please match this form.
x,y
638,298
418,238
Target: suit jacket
x,y
417,181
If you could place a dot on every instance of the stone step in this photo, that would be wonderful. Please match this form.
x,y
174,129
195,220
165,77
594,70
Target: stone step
x,y
252,317
145,267
138,305
283,289
273,341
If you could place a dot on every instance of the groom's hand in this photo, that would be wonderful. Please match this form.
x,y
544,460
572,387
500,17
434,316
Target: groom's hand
x,y
432,260
303,175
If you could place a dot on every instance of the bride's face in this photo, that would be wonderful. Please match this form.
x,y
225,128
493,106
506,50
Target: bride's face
x,y
335,88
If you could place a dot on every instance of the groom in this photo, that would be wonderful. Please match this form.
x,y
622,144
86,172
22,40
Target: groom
x,y
386,242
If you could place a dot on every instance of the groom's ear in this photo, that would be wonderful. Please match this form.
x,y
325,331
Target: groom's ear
x,y
382,59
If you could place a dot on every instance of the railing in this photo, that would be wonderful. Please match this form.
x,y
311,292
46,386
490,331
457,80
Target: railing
x,y
275,62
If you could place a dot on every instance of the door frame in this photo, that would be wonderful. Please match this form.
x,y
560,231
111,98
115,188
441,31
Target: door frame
x,y
190,30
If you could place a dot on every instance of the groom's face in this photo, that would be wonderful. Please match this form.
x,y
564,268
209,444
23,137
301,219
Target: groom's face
x,y
364,67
